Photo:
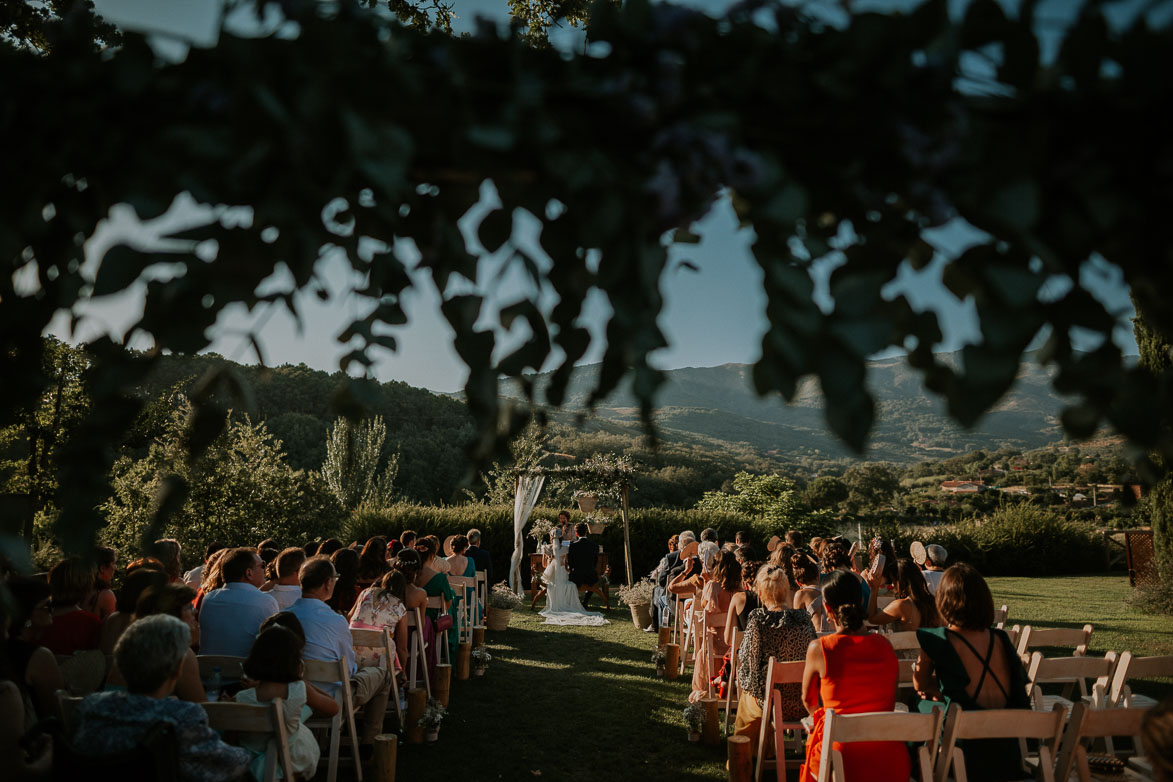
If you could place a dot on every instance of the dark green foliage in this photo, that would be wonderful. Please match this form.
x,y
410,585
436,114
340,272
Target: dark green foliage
x,y
1156,357
860,135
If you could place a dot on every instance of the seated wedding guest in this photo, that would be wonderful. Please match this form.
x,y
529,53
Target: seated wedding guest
x,y
345,562
194,576
716,597
30,665
795,540
171,600
935,559
406,540
816,547
288,589
659,577
407,562
808,596
145,562
169,552
102,600
213,577
741,538
150,654
379,606
269,543
969,663
460,564
1157,737
327,637
435,583
689,581
913,607
745,601
780,557
73,629
26,758
772,629
269,559
133,585
329,546
275,665
372,562
836,558
851,671
480,556
230,616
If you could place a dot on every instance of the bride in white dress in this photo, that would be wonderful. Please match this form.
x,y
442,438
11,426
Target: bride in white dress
x,y
562,605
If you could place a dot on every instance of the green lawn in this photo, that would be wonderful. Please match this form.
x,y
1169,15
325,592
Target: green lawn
x,y
583,703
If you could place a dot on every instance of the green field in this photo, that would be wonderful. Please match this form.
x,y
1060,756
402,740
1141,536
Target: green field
x,y
584,703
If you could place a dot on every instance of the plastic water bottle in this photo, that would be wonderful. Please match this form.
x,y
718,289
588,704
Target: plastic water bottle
x,y
212,693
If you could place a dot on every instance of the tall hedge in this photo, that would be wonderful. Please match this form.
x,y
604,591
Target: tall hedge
x,y
1015,541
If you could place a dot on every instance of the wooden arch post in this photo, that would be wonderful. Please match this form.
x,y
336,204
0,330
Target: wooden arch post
x,y
626,537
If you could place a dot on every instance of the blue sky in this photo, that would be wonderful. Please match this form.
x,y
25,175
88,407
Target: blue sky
x,y
712,316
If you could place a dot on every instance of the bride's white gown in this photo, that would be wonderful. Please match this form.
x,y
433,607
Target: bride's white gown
x,y
562,605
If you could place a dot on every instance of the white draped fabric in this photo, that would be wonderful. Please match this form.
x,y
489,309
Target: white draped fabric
x,y
529,487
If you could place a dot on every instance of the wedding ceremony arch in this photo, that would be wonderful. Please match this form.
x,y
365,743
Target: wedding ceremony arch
x,y
614,474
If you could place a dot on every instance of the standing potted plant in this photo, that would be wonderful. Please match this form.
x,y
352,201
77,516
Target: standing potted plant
x,y
659,659
638,597
694,719
480,660
431,718
502,601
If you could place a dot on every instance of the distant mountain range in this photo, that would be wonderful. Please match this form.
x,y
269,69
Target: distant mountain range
x,y
719,403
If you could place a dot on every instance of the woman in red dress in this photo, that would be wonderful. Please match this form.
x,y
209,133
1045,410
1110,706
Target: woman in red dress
x,y
851,672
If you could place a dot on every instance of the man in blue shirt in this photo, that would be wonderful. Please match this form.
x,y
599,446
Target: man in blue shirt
x,y
327,637
231,616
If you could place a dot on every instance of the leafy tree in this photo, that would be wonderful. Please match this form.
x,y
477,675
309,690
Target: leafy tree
x,y
826,492
526,450
351,470
870,486
1156,357
772,498
638,145
239,490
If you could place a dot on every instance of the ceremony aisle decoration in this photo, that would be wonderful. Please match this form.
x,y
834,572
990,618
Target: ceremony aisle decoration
x,y
638,597
659,659
502,601
431,718
694,718
480,660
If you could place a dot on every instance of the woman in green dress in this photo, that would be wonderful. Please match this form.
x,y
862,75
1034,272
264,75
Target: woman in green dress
x,y
435,582
974,665
464,566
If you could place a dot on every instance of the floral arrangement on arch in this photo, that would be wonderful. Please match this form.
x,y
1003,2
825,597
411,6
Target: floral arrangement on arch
x,y
540,530
637,594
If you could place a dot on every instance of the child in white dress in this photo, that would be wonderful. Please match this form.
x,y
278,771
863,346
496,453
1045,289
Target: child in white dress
x,y
274,663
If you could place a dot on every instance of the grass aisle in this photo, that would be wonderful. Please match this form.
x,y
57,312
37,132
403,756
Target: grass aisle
x,y
566,703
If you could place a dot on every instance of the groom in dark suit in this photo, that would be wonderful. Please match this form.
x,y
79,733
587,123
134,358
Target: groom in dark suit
x,y
582,558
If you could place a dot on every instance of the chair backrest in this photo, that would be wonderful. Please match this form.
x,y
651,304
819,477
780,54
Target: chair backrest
x,y
230,667
1065,669
155,757
1086,723
368,637
1045,726
436,602
1129,667
904,676
267,718
329,672
920,729
66,705
1034,637
1000,616
904,642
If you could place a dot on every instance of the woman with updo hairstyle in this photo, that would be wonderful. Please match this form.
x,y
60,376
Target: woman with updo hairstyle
x,y
808,596
974,665
772,630
435,583
852,672
744,601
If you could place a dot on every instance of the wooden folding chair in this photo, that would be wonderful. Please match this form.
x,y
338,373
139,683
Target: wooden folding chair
x,y
417,651
1063,637
692,637
1022,724
443,652
266,718
466,588
333,673
482,590
777,674
381,639
904,642
731,692
1089,723
1068,671
1129,668
66,705
1000,616
923,729
714,625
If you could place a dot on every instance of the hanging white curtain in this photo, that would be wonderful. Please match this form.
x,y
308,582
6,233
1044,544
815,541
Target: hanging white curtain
x,y
528,489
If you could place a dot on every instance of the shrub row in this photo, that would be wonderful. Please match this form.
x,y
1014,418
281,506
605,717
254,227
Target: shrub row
x,y
1013,541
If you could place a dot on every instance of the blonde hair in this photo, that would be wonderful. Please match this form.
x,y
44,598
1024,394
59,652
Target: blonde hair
x,y
773,586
